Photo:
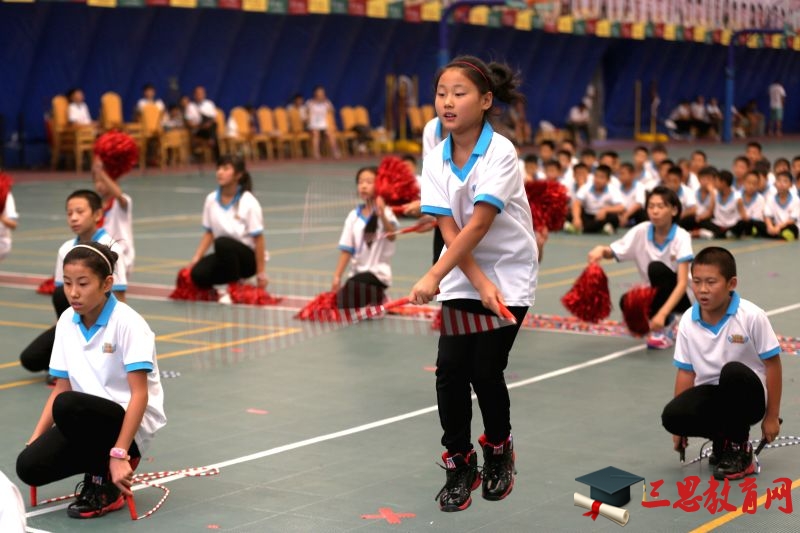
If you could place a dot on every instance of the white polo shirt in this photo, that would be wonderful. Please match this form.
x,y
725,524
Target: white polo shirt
x,y
594,200
726,210
373,258
635,194
97,360
101,236
703,204
144,101
782,212
318,114
431,135
118,223
78,113
638,245
755,207
744,334
507,254
687,197
10,211
648,177
241,219
196,112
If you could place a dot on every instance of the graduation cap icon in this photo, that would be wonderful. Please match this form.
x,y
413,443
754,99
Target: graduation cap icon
x,y
610,485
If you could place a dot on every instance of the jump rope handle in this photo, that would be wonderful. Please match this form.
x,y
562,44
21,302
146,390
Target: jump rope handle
x,y
682,449
764,441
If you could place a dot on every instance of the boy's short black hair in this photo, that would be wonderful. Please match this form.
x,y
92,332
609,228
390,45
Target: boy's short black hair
x,y
708,171
552,163
583,166
665,162
762,167
628,166
659,148
719,257
742,159
610,153
725,176
94,200
675,171
564,153
531,158
603,169
590,152
548,142
702,153
409,157
642,148
786,174
781,160
754,144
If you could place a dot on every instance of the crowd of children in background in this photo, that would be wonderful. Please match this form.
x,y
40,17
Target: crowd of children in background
x,y
753,197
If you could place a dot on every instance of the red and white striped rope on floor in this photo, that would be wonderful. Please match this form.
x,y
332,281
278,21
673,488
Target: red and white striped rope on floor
x,y
782,441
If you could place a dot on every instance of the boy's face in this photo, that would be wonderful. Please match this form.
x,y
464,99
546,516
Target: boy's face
x,y
552,172
588,160
753,154
545,152
711,289
698,162
625,176
721,185
659,156
780,167
751,184
782,184
600,180
581,175
705,181
531,168
565,160
672,181
80,217
639,157
149,93
662,171
796,168
739,168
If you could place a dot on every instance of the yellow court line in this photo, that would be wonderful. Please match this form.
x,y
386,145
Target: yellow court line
x,y
21,305
9,365
21,383
178,334
217,346
184,341
28,325
733,515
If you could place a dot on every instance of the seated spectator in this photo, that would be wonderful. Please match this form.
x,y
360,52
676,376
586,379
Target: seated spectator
x,y
754,203
532,171
77,110
547,151
715,117
755,119
674,181
740,168
201,117
701,125
578,123
149,97
633,196
173,118
728,210
589,158
680,121
298,102
643,170
597,206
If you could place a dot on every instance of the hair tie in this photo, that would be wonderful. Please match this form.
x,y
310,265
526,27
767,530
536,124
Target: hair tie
x,y
98,252
475,68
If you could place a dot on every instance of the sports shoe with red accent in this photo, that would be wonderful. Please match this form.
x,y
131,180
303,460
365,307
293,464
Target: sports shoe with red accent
x,y
498,468
736,461
462,478
95,499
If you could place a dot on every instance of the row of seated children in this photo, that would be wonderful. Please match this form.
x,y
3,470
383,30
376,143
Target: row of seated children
x,y
769,201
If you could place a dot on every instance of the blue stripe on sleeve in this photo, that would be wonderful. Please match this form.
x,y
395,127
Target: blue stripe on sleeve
x,y
686,259
491,200
770,353
59,373
683,366
433,210
257,233
143,365
348,249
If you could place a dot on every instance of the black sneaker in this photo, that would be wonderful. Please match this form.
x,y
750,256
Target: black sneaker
x,y
462,479
95,499
498,468
716,451
736,461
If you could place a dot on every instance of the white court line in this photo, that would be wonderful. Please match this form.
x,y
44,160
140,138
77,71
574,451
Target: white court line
x,y
400,418
34,530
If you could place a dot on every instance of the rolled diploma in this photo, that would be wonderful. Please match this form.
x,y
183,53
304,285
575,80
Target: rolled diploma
x,y
617,514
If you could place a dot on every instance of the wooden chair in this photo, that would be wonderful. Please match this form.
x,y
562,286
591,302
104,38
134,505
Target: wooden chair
x,y
428,112
63,135
285,135
301,136
111,111
340,137
269,134
84,145
240,142
362,119
415,121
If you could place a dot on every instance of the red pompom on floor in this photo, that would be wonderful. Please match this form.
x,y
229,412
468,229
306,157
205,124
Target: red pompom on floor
x,y
322,308
636,309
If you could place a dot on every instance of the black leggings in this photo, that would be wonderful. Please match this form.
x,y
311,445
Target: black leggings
x,y
592,225
718,412
86,428
36,356
479,360
231,261
664,280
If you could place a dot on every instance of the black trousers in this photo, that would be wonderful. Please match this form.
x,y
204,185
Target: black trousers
x,y
592,225
361,290
664,280
86,428
790,227
479,360
36,356
718,412
231,261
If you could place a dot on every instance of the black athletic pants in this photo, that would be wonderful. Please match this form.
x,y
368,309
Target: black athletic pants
x,y
86,428
231,261
479,360
36,356
361,290
718,412
664,280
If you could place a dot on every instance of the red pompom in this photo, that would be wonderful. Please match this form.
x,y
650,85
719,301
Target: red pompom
x,y
242,293
5,187
549,202
48,286
395,182
436,323
636,309
118,152
589,299
185,289
322,308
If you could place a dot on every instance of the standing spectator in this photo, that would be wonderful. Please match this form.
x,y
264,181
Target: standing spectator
x,y
777,97
318,108
578,122
201,116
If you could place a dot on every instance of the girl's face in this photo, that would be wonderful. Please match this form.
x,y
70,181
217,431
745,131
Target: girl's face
x,y
80,217
366,185
459,104
319,93
751,183
782,184
84,289
226,175
659,212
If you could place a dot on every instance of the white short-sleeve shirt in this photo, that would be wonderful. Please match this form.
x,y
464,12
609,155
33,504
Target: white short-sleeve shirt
x,y
594,200
755,207
10,211
635,194
649,177
101,236
196,112
242,219
97,360
375,258
703,204
726,210
118,223
687,197
507,254
318,114
144,101
78,113
431,135
744,334
639,246
776,95
782,212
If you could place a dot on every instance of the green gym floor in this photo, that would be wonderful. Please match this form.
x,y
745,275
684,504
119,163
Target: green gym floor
x,y
321,429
